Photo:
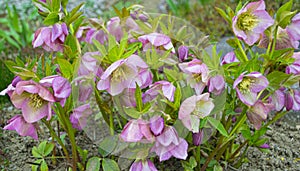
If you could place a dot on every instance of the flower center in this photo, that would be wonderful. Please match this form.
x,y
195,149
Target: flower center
x,y
246,21
120,73
245,84
199,109
197,77
36,101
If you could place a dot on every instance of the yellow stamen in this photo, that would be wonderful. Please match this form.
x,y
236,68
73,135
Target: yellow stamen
x,y
246,21
36,101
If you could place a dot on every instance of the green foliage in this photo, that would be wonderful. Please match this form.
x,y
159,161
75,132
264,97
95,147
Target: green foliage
x,y
41,152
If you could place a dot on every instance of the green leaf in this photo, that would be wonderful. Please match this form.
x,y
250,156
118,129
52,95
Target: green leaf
x,y
109,165
260,142
218,125
193,162
65,67
51,19
224,15
219,102
83,154
108,145
246,134
232,42
138,98
276,78
93,164
44,166
55,5
284,15
177,95
42,147
35,152
132,112
64,3
49,147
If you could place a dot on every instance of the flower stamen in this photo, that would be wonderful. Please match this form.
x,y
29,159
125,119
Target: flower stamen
x,y
246,21
36,101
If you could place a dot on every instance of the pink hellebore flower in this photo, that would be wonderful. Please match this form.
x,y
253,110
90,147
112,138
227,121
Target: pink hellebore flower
x,y
23,128
89,65
266,146
293,29
11,87
193,109
251,21
33,99
167,88
51,38
248,86
98,35
183,52
125,73
169,144
137,130
216,84
278,99
157,40
294,68
115,27
156,125
197,74
143,165
229,58
79,116
258,113
60,85
283,41
293,100
198,138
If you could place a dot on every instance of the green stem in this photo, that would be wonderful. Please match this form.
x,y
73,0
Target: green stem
x,y
198,156
238,150
274,42
239,163
54,136
242,50
111,124
242,118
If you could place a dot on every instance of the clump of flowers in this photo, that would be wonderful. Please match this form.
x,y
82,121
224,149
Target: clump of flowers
x,y
159,95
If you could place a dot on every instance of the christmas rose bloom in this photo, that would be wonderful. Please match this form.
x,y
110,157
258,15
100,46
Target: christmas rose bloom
x,y
293,28
229,58
61,87
157,40
216,84
198,138
22,127
278,99
169,144
183,52
142,165
167,88
294,68
51,38
11,87
292,101
137,130
258,113
33,99
193,109
283,41
249,85
125,73
79,116
251,21
197,74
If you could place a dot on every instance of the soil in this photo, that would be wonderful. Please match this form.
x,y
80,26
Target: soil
x,y
15,151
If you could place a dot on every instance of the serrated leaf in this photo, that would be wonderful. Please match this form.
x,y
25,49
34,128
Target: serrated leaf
x,y
109,165
65,67
42,147
276,78
218,125
93,164
177,95
282,12
223,14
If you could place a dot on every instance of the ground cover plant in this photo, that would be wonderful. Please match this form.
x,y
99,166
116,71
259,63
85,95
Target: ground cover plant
x,y
157,85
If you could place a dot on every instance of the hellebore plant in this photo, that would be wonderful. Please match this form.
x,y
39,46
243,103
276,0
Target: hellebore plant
x,y
160,91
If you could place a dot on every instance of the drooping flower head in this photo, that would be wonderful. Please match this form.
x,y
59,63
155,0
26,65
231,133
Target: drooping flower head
x,y
169,144
248,86
229,58
51,38
216,84
33,99
167,89
183,52
292,101
22,127
136,131
125,73
257,114
79,116
293,29
157,40
294,68
251,21
193,109
197,74
142,165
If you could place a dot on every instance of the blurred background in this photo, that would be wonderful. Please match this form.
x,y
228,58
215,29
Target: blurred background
x,y
19,20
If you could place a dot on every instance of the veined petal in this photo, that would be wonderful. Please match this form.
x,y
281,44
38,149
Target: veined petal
x,y
32,114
